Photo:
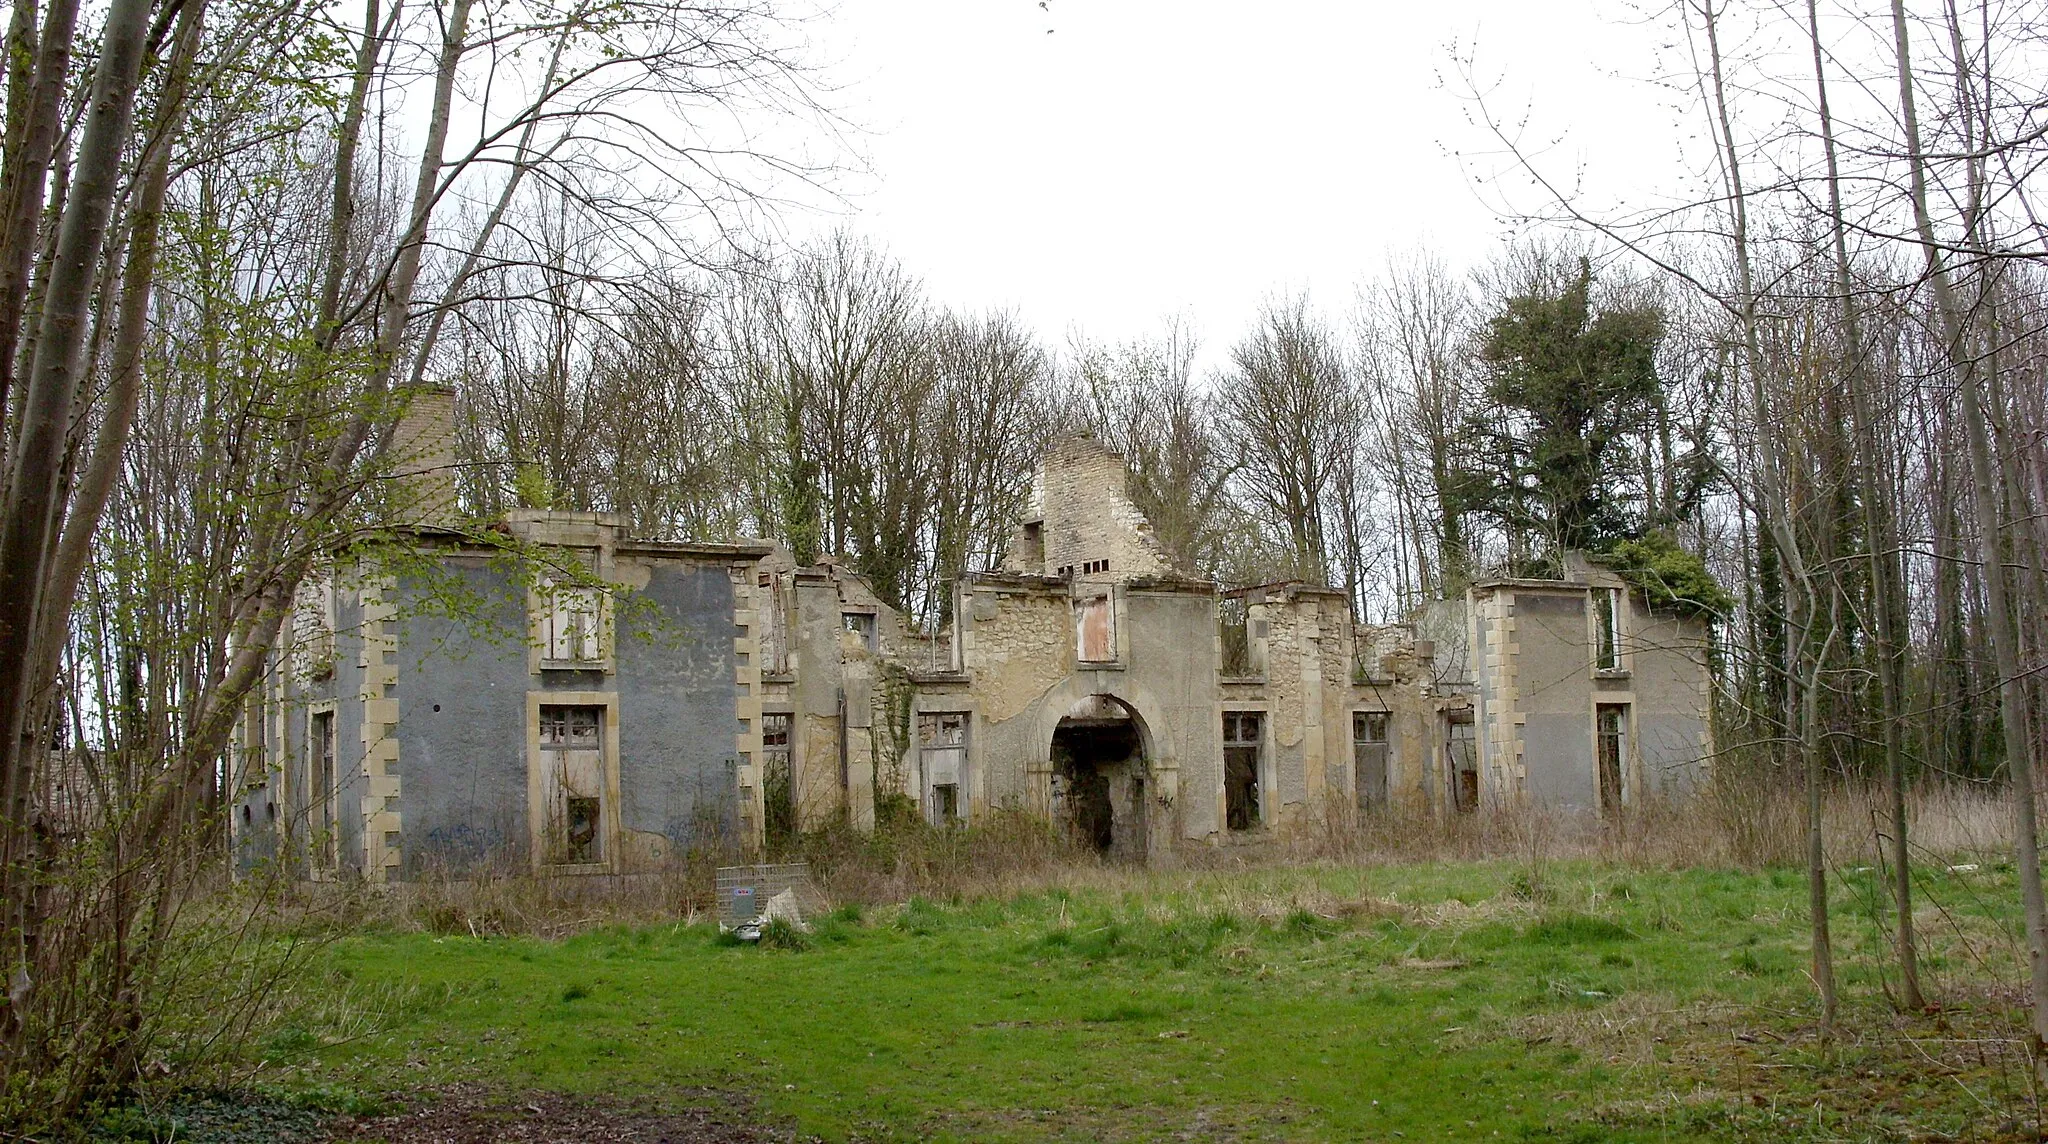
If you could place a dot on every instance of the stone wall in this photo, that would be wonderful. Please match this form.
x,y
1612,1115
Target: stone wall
x,y
1089,515
1016,646
1307,696
436,686
1538,687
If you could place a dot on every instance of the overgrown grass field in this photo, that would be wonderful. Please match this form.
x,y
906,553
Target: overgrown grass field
x,y
1479,1000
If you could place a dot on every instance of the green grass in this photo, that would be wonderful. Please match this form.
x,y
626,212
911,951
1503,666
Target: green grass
x,y
1433,1002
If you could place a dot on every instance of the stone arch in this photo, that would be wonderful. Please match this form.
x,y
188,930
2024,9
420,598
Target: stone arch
x,y
1109,773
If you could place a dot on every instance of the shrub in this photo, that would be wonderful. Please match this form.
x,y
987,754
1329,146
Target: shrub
x,y
781,933
1673,578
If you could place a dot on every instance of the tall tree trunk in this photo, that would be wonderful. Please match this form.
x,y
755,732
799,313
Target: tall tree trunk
x,y
1774,506
1887,586
1984,494
29,513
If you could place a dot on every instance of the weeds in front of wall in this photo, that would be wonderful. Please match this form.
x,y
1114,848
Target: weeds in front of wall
x,y
489,901
1750,824
1748,821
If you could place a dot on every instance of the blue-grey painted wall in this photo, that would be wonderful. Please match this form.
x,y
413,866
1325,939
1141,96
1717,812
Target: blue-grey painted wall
x,y
347,691
678,705
462,682
462,692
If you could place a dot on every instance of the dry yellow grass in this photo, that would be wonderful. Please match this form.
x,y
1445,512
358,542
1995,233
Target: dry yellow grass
x,y
1011,854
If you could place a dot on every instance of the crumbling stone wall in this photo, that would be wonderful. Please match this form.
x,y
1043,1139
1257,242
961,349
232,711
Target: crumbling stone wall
x,y
1016,646
1090,516
1398,680
1308,653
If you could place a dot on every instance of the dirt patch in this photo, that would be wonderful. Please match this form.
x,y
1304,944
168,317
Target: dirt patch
x,y
480,1116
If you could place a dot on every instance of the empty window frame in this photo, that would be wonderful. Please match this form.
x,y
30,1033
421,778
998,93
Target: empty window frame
x,y
1095,630
861,624
1369,753
778,785
1607,628
313,628
1610,753
1233,633
572,627
1244,736
572,761
942,760
1461,760
1094,567
320,779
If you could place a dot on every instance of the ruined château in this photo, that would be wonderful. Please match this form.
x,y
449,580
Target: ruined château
x,y
582,700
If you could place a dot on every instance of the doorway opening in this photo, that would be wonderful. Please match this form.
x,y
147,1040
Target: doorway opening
x,y
1098,758
1461,761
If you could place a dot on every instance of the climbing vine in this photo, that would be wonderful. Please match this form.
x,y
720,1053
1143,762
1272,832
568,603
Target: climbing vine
x,y
889,738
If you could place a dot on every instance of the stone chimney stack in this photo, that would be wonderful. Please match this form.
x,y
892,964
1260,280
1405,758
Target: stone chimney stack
x,y
423,454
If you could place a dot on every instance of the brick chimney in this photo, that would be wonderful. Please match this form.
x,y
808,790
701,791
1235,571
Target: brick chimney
x,y
423,456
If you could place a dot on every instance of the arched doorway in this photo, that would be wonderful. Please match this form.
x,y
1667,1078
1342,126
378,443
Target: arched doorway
x,y
1099,776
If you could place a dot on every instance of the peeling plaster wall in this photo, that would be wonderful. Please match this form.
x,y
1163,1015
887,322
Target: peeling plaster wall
x,y
462,681
679,707
1668,673
814,751
1018,651
1016,648
1537,689
351,782
1554,679
1171,679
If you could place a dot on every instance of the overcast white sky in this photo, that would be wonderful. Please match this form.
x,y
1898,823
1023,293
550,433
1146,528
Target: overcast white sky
x,y
1149,158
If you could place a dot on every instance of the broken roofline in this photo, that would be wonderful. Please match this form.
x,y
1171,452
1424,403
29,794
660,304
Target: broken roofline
x,y
1282,587
1032,581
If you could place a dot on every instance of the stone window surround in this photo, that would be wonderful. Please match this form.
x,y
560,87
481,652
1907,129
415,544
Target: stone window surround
x,y
1623,654
329,867
601,568
536,779
1269,778
1632,755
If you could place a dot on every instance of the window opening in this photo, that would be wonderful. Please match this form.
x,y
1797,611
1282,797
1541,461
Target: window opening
x,y
1611,730
326,847
1235,634
313,626
573,626
778,788
1608,604
571,740
1461,756
1243,736
861,624
1369,758
942,758
1094,633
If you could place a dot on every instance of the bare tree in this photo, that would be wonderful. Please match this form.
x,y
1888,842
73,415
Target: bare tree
x,y
1289,408
1142,398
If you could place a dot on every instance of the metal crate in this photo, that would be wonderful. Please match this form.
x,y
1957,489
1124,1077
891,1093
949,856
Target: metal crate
x,y
744,892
